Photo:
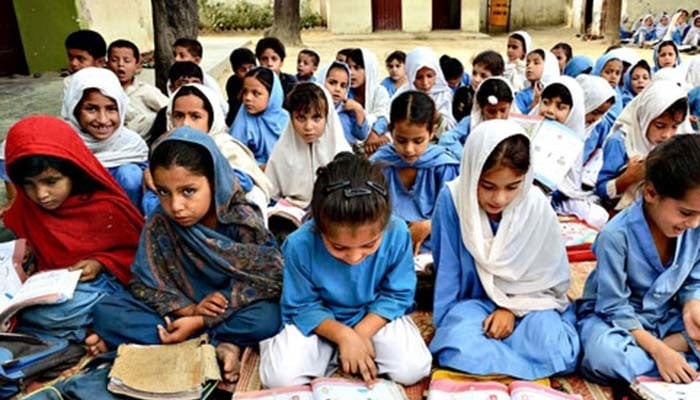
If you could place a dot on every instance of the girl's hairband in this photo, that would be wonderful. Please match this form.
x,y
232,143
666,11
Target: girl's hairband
x,y
349,191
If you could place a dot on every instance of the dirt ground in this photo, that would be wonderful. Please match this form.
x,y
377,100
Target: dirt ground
x,y
462,45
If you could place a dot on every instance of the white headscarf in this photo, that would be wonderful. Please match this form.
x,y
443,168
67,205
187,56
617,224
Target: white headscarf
x,y
441,93
626,54
377,100
523,267
692,37
293,163
323,75
124,146
660,28
515,72
692,76
237,154
596,91
526,37
635,119
476,116
551,68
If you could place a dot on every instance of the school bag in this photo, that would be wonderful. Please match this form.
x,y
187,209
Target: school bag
x,y
28,357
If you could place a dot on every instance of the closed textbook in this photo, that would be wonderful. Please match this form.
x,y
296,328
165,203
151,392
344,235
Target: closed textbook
x,y
181,371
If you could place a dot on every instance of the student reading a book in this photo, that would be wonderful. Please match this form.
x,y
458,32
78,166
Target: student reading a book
x,y
542,68
640,310
651,118
494,100
502,273
205,262
311,140
349,283
74,215
563,102
415,169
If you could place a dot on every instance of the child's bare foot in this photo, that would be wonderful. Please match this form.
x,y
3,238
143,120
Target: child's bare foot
x,y
229,356
95,344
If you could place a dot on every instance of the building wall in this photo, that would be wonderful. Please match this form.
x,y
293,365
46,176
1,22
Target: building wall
x,y
416,15
524,13
637,8
135,25
350,16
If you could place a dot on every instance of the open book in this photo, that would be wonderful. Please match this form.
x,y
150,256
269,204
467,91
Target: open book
x,y
287,211
330,388
649,388
447,389
179,371
19,291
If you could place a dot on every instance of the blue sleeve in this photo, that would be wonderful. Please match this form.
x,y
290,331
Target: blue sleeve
x,y
614,158
446,244
244,179
301,304
443,174
398,286
453,140
3,171
360,132
524,99
612,302
381,126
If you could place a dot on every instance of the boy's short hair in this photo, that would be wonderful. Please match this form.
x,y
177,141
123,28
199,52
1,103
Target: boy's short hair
x,y
397,55
451,67
192,45
492,61
241,56
186,69
315,58
566,48
124,44
87,40
270,43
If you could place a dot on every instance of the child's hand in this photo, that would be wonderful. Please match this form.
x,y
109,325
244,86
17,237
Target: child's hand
x,y
500,324
374,141
90,269
691,319
672,365
420,230
636,169
180,330
351,105
212,305
357,357
148,180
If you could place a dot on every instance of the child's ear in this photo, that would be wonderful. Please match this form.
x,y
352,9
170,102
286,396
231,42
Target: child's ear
x,y
649,192
197,60
101,62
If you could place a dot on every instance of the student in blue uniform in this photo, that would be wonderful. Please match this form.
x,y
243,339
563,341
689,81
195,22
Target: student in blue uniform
x,y
502,273
415,169
349,283
542,67
649,119
494,100
640,310
636,79
610,67
335,77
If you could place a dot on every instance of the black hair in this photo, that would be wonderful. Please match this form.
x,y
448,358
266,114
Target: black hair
x,y
668,43
558,90
496,88
397,55
512,152
415,107
241,56
124,44
263,75
185,69
315,58
344,52
356,56
76,110
679,106
492,61
87,40
641,64
672,166
566,48
191,156
31,166
451,67
539,52
350,191
338,65
189,90
192,45
520,39
270,43
308,98
611,48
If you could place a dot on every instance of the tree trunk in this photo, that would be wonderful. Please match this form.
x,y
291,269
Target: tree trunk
x,y
172,19
285,25
612,21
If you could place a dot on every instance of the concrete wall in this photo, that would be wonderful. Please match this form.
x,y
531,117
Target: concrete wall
x,y
123,19
637,8
43,26
471,14
524,13
350,16
416,15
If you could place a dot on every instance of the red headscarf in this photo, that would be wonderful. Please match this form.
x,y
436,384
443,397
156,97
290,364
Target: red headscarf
x,y
102,225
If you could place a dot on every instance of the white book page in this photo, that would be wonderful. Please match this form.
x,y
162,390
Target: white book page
x,y
555,150
10,282
468,395
668,391
60,282
339,389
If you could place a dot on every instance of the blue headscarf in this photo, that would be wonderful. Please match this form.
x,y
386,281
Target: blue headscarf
x,y
178,266
260,132
627,92
578,65
616,109
656,54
